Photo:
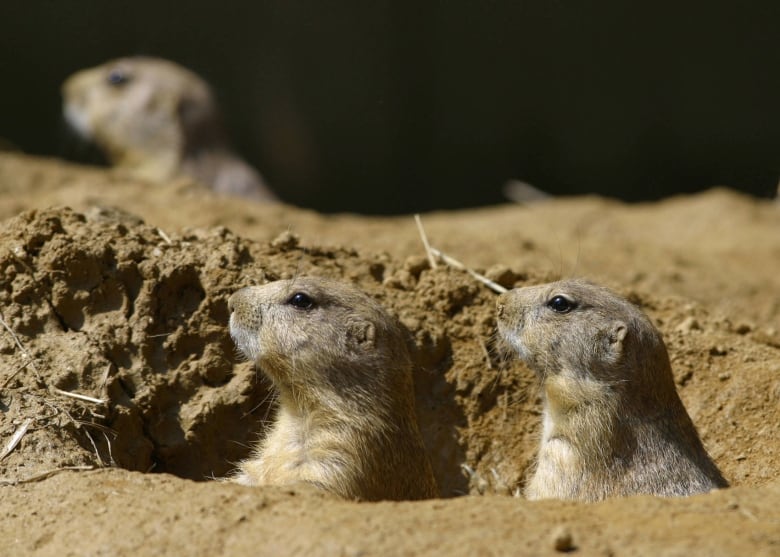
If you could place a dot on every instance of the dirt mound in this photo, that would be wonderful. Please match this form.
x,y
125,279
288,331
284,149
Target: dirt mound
x,y
109,308
114,352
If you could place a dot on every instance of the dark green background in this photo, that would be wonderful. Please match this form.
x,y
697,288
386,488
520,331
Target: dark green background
x,y
402,106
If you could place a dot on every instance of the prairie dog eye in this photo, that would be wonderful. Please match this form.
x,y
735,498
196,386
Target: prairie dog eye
x,y
561,304
301,301
118,77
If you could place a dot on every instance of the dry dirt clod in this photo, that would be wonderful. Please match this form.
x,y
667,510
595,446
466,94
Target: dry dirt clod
x,y
286,241
562,539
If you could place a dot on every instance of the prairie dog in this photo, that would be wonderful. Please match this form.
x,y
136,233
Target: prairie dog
x,y
613,423
156,120
346,421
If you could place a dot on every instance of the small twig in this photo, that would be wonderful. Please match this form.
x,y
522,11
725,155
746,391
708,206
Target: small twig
x,y
20,368
110,454
78,396
164,236
73,420
94,447
424,238
13,335
43,475
15,438
25,354
744,512
99,427
486,352
494,286
56,409
104,381
16,339
498,481
468,470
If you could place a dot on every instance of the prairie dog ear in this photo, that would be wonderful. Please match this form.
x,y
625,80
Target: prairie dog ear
x,y
200,121
361,335
617,332
612,337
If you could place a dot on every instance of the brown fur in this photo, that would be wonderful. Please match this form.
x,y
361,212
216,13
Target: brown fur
x,y
614,424
156,120
346,420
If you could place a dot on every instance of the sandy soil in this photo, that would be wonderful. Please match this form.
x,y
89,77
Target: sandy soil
x,y
117,290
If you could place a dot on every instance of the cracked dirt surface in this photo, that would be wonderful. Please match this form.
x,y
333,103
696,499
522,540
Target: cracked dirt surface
x,y
121,297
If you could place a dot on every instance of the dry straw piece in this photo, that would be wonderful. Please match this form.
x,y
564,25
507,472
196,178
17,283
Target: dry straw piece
x,y
433,253
43,475
15,438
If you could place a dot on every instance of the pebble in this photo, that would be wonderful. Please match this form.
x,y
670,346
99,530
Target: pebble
x,y
688,324
562,539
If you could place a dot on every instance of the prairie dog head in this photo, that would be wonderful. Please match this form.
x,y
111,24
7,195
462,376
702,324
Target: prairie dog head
x,y
582,340
321,338
144,113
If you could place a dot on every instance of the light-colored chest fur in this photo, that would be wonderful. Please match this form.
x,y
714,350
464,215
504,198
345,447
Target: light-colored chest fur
x,y
559,466
573,453
297,449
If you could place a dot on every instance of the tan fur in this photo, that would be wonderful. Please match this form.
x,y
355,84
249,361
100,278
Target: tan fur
x,y
614,424
156,120
346,420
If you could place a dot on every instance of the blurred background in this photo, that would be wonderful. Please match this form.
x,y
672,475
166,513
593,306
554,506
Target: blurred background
x,y
400,106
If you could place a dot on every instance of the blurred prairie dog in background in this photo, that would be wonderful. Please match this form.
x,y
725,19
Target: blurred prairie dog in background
x,y
156,120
